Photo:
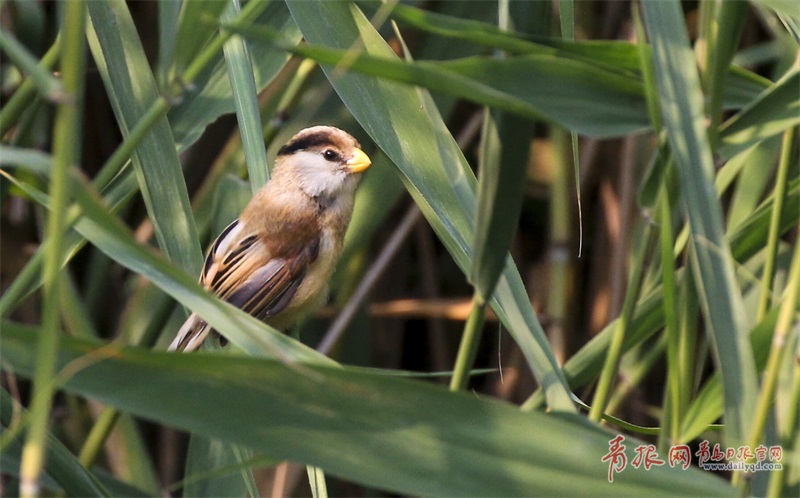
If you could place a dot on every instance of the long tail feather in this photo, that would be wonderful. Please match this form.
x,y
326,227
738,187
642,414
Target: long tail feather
x,y
191,335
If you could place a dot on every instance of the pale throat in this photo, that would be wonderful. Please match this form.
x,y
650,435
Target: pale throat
x,y
329,186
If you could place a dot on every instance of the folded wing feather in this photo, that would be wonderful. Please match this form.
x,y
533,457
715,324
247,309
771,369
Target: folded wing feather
x,y
240,269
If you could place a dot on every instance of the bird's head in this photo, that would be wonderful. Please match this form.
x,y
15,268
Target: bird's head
x,y
325,161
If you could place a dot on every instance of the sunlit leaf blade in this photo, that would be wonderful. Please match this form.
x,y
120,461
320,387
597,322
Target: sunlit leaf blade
x,y
786,7
469,30
610,104
243,85
775,110
391,433
564,90
406,125
570,88
503,168
720,296
488,194
131,88
616,56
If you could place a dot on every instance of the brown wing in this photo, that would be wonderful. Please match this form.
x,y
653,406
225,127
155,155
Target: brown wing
x,y
231,258
270,288
239,269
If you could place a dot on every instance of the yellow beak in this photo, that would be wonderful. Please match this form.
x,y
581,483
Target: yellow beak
x,y
359,162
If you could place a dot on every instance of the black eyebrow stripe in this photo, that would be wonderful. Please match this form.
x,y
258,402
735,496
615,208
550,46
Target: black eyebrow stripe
x,y
305,142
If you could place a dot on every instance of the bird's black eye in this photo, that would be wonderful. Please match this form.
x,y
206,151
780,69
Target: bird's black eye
x,y
330,155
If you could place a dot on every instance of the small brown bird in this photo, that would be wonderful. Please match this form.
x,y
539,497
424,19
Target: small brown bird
x,y
275,260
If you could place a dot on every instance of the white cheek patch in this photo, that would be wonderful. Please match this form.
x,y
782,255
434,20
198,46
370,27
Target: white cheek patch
x,y
317,175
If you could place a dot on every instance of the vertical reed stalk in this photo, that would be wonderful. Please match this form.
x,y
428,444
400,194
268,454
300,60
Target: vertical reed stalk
x,y
66,154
